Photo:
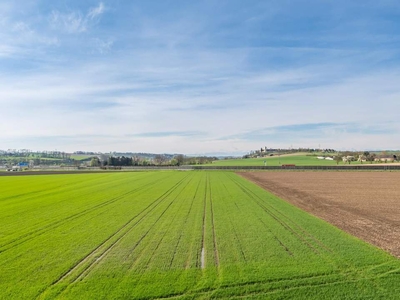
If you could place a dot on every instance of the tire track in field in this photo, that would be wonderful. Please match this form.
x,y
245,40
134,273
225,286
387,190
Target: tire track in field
x,y
149,229
268,209
244,190
329,259
202,254
43,227
40,231
61,190
234,230
82,267
269,231
184,226
238,241
91,267
150,208
47,191
193,241
275,237
285,225
320,243
146,233
169,227
206,293
216,255
266,287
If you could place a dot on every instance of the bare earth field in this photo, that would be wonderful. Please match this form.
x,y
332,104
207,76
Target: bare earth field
x,y
364,204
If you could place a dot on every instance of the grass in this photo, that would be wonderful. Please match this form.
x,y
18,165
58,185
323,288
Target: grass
x,y
298,160
181,235
81,156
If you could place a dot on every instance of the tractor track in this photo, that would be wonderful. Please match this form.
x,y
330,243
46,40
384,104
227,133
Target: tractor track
x,y
237,239
216,255
284,224
33,234
97,254
184,224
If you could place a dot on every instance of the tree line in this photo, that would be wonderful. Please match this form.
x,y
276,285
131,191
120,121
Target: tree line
x,y
158,160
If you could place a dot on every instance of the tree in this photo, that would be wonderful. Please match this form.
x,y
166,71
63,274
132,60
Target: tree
x,y
94,162
180,158
338,159
159,159
371,157
111,161
173,162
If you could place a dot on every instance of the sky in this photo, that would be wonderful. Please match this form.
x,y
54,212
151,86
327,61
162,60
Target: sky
x,y
199,77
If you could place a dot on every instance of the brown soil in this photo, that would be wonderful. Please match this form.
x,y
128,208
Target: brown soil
x,y
364,204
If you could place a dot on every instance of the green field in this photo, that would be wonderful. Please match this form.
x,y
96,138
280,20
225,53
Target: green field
x,y
181,235
298,160
81,156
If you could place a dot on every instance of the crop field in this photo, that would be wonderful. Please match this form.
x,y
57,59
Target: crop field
x,y
177,235
298,160
81,156
365,204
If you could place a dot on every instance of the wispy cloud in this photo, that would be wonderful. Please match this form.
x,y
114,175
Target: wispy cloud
x,y
297,132
102,46
76,21
96,11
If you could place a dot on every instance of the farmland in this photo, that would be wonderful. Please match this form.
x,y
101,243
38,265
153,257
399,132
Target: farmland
x,y
81,156
180,235
298,160
365,204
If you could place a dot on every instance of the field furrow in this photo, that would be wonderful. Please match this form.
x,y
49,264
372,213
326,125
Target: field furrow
x,y
61,220
177,235
83,268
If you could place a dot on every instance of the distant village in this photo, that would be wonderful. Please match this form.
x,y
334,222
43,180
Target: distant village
x,y
329,154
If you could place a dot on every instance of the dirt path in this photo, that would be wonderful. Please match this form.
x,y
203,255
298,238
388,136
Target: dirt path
x,y
364,204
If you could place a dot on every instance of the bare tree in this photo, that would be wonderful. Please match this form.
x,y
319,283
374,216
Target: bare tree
x,y
180,158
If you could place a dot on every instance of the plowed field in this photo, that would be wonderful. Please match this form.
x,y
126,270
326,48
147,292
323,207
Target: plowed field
x,y
365,204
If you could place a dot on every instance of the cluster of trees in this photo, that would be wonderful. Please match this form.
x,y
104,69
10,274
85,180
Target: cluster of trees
x,y
369,156
181,159
86,153
157,160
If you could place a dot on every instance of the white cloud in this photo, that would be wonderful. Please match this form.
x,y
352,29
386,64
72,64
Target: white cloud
x,y
76,21
96,11
102,46
72,22
7,50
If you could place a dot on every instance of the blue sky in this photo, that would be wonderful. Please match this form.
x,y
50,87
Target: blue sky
x,y
199,77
